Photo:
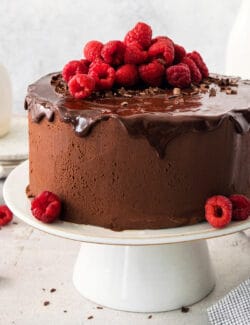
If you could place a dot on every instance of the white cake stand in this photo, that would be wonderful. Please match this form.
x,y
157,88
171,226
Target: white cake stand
x,y
135,270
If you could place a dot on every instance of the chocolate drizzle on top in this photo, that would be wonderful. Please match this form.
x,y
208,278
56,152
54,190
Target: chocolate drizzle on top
x,y
157,114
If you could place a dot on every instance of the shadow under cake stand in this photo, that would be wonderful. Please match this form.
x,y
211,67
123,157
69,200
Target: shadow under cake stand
x,y
133,270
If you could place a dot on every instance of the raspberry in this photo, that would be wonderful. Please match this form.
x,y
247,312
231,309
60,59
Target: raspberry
x,y
179,53
179,75
195,72
46,207
103,74
241,206
160,38
134,54
5,215
196,57
127,75
218,211
98,60
74,67
152,73
163,49
113,52
92,50
81,86
141,34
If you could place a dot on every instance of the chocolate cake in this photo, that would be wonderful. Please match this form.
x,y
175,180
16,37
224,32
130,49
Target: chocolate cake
x,y
139,159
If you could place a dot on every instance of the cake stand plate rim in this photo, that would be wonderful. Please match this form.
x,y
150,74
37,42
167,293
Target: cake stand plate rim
x,y
15,197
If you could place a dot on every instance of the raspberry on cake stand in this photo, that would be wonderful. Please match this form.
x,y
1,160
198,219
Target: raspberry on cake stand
x,y
134,270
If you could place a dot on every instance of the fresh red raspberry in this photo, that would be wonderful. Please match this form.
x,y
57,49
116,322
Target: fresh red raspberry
x,y
163,49
152,73
160,38
141,33
127,75
81,85
74,67
5,215
179,75
196,76
196,57
218,211
103,74
98,60
241,206
179,53
134,54
92,50
46,207
113,52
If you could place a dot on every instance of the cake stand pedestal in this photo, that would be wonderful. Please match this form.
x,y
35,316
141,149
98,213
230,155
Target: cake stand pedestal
x,y
133,270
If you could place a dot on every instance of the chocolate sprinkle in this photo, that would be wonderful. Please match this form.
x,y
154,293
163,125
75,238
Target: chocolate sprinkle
x,y
185,309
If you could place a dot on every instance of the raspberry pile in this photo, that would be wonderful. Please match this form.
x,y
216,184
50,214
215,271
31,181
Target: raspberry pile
x,y
138,60
220,210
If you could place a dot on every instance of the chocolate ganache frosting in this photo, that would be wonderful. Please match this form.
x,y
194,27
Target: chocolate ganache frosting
x,y
139,158
153,113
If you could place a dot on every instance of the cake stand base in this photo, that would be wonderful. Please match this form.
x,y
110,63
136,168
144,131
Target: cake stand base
x,y
132,270
144,278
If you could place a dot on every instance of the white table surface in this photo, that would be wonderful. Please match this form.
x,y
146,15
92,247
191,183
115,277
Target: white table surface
x,y
32,263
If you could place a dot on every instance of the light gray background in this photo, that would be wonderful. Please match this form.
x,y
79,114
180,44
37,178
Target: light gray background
x,y
40,36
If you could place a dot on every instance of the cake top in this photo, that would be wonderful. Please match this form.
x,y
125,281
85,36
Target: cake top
x,y
152,85
215,98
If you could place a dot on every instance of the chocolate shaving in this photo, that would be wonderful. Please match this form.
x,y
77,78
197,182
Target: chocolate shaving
x,y
212,92
46,303
185,309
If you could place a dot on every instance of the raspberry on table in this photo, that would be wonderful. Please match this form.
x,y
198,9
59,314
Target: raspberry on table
x,y
5,215
74,67
162,49
196,57
103,75
134,54
179,75
81,86
141,33
218,211
46,207
196,76
152,73
92,50
241,207
179,53
113,52
127,75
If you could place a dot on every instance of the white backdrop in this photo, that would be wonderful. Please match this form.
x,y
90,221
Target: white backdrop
x,y
39,36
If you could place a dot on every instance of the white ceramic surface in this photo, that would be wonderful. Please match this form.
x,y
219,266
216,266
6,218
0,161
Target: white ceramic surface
x,y
15,197
238,49
144,278
14,146
5,101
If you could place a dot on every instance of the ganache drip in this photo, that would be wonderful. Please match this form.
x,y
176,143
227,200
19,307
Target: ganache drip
x,y
156,114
